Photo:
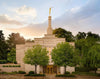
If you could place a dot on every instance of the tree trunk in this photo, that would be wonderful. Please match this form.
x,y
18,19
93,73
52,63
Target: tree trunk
x,y
65,68
35,69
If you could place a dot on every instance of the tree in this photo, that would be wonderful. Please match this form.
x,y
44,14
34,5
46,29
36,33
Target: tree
x,y
81,35
14,39
85,47
93,35
62,33
12,55
93,57
3,47
63,55
36,56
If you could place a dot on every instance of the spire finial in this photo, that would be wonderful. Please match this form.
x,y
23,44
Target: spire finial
x,y
50,11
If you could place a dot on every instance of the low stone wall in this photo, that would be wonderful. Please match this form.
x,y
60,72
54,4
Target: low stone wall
x,y
10,69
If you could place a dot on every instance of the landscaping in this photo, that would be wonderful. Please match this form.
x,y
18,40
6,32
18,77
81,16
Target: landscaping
x,y
11,66
67,74
31,73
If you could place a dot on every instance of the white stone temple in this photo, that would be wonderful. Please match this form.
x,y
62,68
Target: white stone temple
x,y
49,41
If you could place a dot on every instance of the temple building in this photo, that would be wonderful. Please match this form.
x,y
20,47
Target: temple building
x,y
49,41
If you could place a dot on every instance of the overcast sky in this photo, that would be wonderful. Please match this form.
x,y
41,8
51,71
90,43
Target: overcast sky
x,y
30,17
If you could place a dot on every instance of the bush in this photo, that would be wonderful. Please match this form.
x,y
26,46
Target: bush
x,y
15,62
31,72
22,72
3,61
66,75
34,75
10,65
67,72
18,65
3,72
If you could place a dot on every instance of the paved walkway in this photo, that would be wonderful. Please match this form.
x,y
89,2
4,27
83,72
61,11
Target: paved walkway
x,y
50,76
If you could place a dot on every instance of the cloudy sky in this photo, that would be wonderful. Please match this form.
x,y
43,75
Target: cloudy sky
x,y
30,17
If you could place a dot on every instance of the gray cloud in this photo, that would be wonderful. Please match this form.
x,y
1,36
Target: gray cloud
x,y
4,19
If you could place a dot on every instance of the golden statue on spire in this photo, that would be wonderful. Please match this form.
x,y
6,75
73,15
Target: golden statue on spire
x,y
50,11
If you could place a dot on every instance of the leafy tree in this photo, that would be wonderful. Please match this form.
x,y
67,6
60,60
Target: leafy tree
x,y
3,47
63,55
14,39
81,35
12,55
62,33
93,35
36,56
92,60
84,47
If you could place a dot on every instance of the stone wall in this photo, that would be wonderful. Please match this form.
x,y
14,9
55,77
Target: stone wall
x,y
10,69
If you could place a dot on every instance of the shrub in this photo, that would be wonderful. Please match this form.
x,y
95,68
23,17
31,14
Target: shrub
x,y
67,72
34,75
14,72
15,62
14,65
66,75
10,65
22,72
31,72
3,72
3,61
18,65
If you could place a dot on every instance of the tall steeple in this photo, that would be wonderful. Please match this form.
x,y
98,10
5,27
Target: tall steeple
x,y
49,29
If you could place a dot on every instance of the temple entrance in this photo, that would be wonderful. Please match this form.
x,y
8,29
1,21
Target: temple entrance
x,y
50,69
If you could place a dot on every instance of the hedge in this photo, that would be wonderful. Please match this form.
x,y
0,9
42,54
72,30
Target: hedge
x,y
3,61
66,75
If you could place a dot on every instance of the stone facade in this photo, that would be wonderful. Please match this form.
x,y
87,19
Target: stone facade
x,y
49,41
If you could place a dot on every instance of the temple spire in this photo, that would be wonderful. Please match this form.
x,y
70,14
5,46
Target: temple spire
x,y
49,30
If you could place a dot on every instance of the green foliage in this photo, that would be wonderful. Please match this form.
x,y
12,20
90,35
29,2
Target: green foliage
x,y
10,73
66,75
15,62
3,61
11,66
3,47
88,52
21,72
12,56
62,33
14,39
93,57
63,54
93,35
36,75
36,56
31,72
81,35
67,72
